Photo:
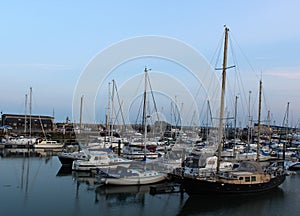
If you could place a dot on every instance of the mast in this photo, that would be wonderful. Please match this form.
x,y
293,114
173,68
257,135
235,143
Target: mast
x,y
145,102
145,113
108,112
25,120
286,131
269,127
80,119
249,121
112,111
258,123
220,132
235,132
30,111
207,116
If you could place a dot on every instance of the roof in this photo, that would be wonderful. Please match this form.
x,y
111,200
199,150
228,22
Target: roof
x,y
250,166
23,116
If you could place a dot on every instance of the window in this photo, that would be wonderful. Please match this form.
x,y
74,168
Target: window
x,y
241,178
253,178
247,179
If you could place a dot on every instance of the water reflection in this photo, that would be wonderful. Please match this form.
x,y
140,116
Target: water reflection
x,y
64,171
122,195
27,152
254,204
137,200
36,184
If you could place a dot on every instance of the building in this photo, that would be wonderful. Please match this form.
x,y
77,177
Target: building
x,y
38,122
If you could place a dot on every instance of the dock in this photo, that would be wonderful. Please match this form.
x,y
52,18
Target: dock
x,y
166,188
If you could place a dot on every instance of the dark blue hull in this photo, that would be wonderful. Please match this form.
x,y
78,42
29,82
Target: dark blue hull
x,y
66,161
18,146
193,186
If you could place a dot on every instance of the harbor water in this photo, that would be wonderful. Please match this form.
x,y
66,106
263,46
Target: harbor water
x,y
40,186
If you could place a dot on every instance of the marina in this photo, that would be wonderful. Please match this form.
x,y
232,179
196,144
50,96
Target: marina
x,y
149,109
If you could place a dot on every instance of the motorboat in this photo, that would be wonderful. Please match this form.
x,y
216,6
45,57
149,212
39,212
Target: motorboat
x,y
98,160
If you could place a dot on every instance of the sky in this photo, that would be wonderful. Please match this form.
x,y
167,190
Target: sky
x,y
47,45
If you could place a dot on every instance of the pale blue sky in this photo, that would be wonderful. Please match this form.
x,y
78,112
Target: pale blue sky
x,y
47,44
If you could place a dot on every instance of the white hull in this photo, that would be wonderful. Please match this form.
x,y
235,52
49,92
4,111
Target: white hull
x,y
50,146
90,167
135,180
140,155
45,144
19,141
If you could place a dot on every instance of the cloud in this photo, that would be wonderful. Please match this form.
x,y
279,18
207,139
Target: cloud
x,y
38,66
289,73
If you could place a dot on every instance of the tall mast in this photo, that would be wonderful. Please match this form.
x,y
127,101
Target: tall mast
x,y
30,111
108,111
144,125
269,127
80,118
258,123
287,130
112,110
220,133
249,120
145,113
207,116
235,129
25,121
287,118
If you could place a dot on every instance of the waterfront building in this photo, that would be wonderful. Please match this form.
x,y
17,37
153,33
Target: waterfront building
x,y
22,122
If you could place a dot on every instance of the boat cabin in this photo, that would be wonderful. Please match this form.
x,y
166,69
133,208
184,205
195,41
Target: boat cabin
x,y
248,172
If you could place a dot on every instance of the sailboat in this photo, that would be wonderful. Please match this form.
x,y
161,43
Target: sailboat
x,y
243,176
20,142
132,176
139,147
135,175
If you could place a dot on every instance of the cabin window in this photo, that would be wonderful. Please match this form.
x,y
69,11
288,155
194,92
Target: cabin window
x,y
247,179
241,178
253,178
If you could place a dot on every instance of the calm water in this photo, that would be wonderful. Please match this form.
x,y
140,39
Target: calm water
x,y
38,186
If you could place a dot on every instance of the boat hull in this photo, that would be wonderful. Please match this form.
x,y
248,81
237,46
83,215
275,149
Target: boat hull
x,y
94,167
135,180
66,159
194,186
140,155
50,146
295,167
18,146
